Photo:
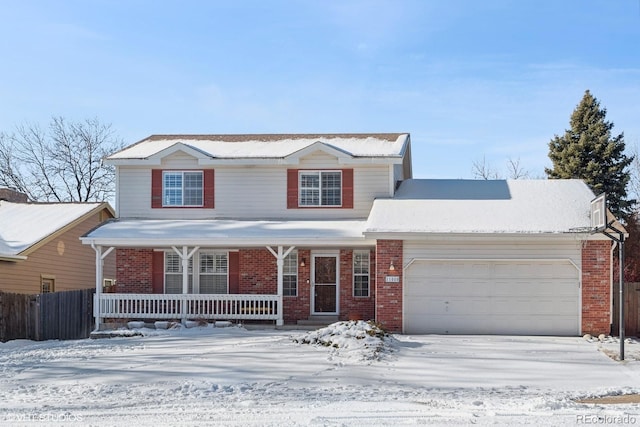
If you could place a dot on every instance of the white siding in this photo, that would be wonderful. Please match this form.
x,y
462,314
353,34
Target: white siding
x,y
250,192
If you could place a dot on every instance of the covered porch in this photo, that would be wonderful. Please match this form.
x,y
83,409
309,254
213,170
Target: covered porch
x,y
185,241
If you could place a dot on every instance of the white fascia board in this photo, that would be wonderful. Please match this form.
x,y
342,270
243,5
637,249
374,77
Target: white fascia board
x,y
230,242
503,237
12,258
382,160
319,146
156,158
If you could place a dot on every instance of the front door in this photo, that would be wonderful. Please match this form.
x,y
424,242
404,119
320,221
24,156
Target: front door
x,y
324,277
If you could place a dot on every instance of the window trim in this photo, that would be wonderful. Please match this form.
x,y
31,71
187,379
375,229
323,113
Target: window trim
x,y
320,172
368,274
291,274
51,279
182,173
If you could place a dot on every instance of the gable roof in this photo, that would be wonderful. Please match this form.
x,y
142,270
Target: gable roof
x,y
479,206
268,146
25,226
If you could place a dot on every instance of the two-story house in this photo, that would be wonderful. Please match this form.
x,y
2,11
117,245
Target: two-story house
x,y
293,227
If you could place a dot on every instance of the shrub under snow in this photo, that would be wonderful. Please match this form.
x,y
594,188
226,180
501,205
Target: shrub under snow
x,y
364,340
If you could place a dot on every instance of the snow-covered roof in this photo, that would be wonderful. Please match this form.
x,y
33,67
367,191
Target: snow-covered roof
x,y
226,233
22,225
479,206
267,146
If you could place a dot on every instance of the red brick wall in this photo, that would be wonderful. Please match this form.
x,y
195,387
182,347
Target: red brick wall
x,y
389,295
299,307
361,308
134,271
258,272
596,294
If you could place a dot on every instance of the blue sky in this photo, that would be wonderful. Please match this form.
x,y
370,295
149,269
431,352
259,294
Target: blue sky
x,y
468,79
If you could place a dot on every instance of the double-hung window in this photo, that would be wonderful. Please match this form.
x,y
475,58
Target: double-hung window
x,y
290,275
361,273
209,277
182,188
214,267
320,188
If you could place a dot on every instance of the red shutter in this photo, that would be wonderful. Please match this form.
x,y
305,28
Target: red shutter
x,y
156,188
292,188
234,272
209,188
347,188
157,273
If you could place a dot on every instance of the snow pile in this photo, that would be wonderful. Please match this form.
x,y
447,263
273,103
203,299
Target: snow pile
x,y
354,339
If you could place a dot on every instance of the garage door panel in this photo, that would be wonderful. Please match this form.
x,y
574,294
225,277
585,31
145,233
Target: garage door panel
x,y
485,297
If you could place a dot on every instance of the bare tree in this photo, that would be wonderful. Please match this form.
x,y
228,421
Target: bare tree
x,y
634,169
483,170
516,171
63,164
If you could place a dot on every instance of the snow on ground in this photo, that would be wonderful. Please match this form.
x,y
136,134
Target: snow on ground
x,y
238,377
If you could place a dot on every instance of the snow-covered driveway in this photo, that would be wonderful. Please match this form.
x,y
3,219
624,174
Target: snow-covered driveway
x,y
231,376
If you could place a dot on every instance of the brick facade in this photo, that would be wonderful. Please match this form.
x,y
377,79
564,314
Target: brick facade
x,y
596,287
389,294
257,275
352,307
134,272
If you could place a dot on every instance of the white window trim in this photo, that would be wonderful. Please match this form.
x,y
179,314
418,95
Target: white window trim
x,y
368,253
182,172
320,172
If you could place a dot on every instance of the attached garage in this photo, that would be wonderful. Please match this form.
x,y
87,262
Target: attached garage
x,y
522,297
491,257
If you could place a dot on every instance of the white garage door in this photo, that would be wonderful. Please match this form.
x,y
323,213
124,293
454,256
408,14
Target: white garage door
x,y
492,297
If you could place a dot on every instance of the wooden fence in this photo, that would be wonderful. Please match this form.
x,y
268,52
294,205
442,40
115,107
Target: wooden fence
x,y
631,307
56,315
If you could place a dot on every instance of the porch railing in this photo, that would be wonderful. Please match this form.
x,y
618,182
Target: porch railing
x,y
186,306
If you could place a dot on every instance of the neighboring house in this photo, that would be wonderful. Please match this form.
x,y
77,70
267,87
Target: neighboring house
x,y
40,250
297,227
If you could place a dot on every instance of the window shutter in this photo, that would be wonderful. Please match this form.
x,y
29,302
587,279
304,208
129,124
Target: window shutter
x,y
234,272
347,188
156,188
292,188
209,188
157,272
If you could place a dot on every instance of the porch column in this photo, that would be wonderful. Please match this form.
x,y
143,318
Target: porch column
x,y
100,256
185,255
280,256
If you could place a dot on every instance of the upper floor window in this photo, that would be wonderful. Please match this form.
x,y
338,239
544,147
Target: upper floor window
x,y
320,188
182,188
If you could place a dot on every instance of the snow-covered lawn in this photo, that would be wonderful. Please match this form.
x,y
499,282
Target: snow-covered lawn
x,y
232,376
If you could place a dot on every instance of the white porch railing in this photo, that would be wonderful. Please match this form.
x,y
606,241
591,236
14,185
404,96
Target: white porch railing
x,y
186,306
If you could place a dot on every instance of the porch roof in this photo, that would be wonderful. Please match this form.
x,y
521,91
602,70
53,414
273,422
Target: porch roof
x,y
227,233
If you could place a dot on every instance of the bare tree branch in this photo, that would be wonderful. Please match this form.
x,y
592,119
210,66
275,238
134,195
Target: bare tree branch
x,y
63,164
483,170
516,171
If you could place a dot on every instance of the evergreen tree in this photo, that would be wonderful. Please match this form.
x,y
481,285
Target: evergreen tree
x,y
588,151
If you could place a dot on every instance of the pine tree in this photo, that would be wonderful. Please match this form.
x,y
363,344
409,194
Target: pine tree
x,y
588,151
